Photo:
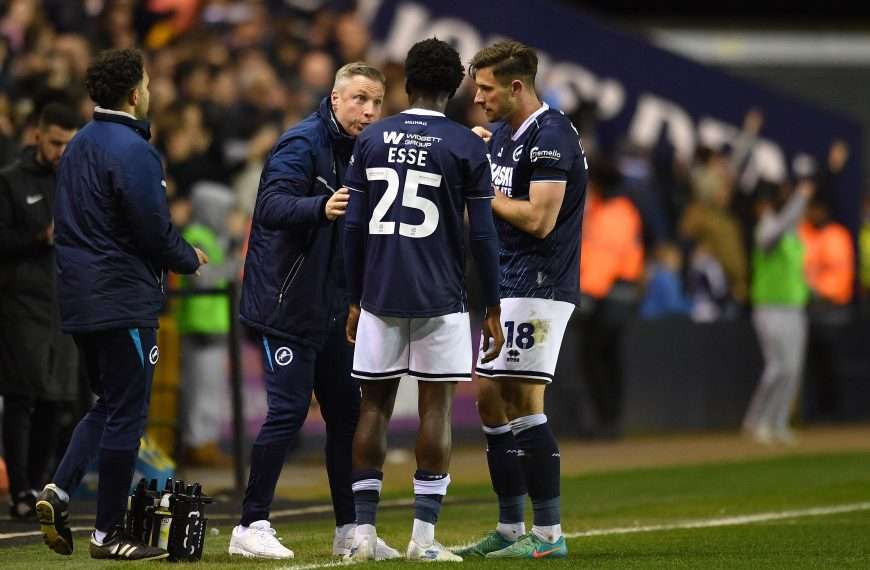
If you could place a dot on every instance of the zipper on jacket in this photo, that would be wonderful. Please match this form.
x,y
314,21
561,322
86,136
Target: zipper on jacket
x,y
291,276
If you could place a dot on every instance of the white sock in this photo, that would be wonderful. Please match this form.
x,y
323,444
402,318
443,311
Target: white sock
x,y
511,531
423,533
99,536
548,533
61,494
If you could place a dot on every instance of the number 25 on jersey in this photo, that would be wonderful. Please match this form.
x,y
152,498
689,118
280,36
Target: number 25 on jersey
x,y
413,180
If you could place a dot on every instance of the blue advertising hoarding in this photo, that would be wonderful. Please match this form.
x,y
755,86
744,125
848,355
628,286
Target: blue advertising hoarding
x,y
640,91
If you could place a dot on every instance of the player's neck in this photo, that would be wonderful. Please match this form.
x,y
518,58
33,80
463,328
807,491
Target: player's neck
x,y
437,104
527,105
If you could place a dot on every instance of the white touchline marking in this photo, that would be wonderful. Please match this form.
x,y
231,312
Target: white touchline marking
x,y
725,521
703,523
10,535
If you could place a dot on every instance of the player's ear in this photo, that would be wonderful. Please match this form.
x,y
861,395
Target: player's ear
x,y
516,87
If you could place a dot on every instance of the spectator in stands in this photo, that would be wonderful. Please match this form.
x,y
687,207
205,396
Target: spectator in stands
x,y
38,364
204,322
610,271
779,294
864,241
830,269
664,296
709,224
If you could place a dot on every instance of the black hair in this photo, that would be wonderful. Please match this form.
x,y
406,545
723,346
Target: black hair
x,y
433,67
113,74
59,115
604,174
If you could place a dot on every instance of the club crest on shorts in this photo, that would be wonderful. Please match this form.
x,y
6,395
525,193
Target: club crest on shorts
x,y
154,355
283,356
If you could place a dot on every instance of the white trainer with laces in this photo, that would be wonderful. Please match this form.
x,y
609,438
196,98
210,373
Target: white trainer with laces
x,y
342,545
435,552
258,541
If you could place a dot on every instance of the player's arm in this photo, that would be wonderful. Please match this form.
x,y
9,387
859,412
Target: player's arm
x,y
283,200
538,215
143,198
484,249
355,236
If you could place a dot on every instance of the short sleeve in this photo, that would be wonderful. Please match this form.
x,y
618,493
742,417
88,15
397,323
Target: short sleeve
x,y
551,152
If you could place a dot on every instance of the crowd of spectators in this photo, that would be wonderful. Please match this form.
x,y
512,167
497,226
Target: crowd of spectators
x,y
662,237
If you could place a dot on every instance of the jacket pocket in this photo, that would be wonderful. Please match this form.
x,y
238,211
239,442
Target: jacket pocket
x,y
295,268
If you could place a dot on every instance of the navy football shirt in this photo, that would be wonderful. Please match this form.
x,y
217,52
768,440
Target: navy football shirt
x,y
546,147
414,171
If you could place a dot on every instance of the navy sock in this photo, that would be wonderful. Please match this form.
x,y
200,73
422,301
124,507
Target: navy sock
x,y
541,464
116,474
506,473
366,485
427,506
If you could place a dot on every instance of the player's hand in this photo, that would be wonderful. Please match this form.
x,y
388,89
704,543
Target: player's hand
x,y
202,257
336,206
352,323
47,235
482,133
493,338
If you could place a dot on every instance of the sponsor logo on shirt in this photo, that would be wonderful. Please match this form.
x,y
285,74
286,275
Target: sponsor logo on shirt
x,y
31,200
518,152
538,153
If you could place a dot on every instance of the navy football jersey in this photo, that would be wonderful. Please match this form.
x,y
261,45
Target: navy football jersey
x,y
416,170
546,147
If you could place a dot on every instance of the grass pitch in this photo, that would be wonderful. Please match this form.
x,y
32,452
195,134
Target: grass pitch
x,y
802,511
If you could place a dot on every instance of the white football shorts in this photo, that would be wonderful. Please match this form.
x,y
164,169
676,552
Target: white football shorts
x,y
533,331
428,348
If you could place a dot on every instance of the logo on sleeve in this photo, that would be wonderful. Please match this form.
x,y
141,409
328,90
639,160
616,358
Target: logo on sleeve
x,y
154,355
283,356
538,153
31,200
518,152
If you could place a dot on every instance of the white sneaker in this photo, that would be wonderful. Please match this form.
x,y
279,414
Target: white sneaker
x,y
343,540
258,541
342,545
435,552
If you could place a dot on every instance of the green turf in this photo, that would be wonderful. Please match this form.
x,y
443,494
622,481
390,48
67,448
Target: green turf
x,y
622,499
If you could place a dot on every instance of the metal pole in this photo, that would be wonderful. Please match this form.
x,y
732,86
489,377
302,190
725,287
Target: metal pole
x,y
236,390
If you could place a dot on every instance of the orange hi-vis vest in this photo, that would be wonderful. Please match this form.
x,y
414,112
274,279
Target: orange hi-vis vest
x,y
612,245
829,261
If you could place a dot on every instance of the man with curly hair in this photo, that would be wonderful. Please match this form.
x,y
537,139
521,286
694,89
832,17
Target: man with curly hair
x,y
114,243
412,177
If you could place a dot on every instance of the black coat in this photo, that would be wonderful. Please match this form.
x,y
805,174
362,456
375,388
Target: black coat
x,y
26,261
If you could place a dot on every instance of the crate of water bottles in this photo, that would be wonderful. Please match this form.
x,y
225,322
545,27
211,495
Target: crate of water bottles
x,y
172,519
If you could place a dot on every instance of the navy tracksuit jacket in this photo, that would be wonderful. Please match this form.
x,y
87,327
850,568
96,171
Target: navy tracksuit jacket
x,y
294,297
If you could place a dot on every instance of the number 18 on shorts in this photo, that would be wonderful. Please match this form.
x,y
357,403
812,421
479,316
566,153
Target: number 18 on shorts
x,y
533,331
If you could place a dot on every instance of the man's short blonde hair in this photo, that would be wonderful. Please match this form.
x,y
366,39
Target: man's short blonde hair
x,y
350,70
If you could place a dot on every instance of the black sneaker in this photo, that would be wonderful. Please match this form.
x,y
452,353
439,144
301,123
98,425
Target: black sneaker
x,y
23,506
116,546
53,515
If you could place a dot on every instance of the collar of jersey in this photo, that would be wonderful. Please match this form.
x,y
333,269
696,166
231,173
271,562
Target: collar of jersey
x,y
528,122
427,112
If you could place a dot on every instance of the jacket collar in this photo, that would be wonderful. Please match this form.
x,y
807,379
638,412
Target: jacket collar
x,y
143,128
342,143
29,162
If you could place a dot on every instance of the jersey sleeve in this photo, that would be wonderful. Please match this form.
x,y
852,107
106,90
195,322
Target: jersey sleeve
x,y
355,176
479,172
551,151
